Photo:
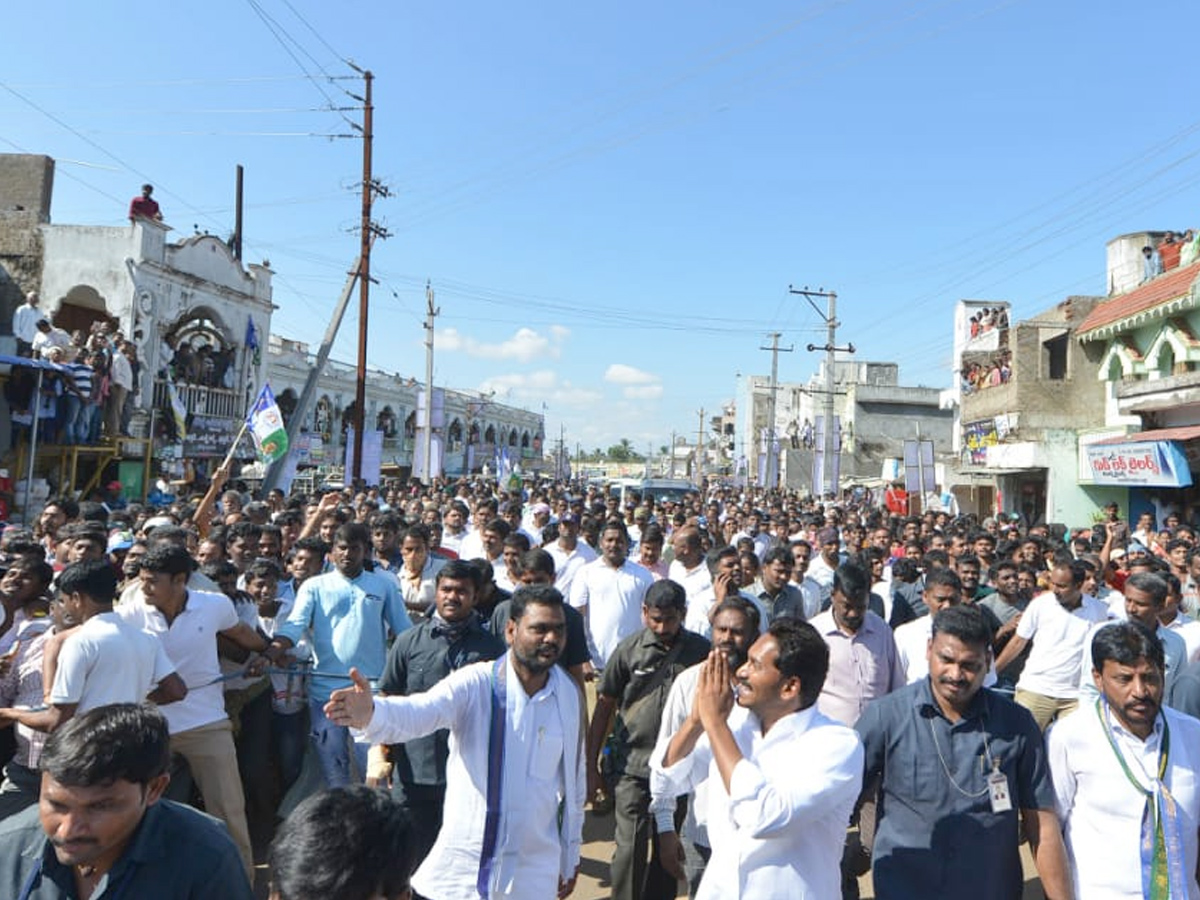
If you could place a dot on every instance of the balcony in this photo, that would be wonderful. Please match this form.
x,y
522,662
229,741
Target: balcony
x,y
200,400
1148,395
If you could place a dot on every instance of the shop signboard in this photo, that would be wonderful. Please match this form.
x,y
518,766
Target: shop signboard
x,y
1139,464
211,436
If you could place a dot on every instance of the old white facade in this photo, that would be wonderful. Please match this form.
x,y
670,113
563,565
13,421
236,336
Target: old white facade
x,y
468,427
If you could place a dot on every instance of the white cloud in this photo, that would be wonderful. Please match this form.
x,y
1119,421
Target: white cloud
x,y
619,373
526,345
635,383
535,388
643,392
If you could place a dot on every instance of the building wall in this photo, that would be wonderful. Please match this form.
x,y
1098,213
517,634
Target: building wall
x,y
288,364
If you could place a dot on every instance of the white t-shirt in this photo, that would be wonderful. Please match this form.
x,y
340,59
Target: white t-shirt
x,y
191,644
1052,669
567,565
613,600
108,661
695,581
912,643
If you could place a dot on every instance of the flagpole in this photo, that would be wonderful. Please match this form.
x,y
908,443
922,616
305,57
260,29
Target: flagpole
x,y
233,446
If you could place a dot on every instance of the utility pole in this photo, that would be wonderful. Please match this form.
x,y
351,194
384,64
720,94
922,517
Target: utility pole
x,y
427,437
672,455
772,452
700,450
368,230
827,468
361,271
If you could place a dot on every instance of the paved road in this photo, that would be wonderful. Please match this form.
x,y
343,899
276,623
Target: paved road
x,y
593,881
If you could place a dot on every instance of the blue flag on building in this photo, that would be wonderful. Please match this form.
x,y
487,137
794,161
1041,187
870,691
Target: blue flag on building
x,y
252,340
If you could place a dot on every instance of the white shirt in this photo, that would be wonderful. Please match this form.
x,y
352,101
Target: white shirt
x,y
778,831
662,791
121,372
1188,629
191,644
822,573
543,747
419,591
108,661
1100,810
452,541
912,643
611,602
1052,668
812,597
1174,656
694,581
567,564
696,618
24,323
44,340
471,546
762,542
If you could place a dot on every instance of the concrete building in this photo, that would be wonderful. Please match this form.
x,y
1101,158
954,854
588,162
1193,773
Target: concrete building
x,y
1147,362
1022,406
201,319
874,412
468,427
189,306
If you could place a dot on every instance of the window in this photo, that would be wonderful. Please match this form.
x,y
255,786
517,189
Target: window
x,y
1054,358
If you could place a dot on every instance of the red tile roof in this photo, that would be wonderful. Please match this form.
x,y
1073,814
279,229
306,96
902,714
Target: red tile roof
x,y
1181,433
1172,285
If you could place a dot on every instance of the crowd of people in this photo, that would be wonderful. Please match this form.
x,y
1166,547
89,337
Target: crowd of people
x,y
88,392
769,694
989,319
976,376
1176,250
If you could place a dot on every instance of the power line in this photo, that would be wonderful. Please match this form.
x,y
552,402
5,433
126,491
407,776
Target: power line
x,y
279,32
320,37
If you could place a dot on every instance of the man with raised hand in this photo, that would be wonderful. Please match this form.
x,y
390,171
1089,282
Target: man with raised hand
x,y
515,774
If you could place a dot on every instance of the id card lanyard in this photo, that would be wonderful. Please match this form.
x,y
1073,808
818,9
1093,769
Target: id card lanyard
x,y
997,782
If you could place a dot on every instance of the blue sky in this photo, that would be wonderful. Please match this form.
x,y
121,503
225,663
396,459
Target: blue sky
x,y
611,200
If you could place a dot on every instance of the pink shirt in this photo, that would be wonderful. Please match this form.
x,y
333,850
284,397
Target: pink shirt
x,y
862,666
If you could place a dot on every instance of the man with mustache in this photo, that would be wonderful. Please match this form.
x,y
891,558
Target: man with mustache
x,y
635,683
515,772
1124,776
957,767
103,828
684,854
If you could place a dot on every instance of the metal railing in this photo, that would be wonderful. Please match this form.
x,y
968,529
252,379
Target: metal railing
x,y
200,400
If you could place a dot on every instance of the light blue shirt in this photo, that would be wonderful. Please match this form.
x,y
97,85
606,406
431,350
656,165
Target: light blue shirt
x,y
348,621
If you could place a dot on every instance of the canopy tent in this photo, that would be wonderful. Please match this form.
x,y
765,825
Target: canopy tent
x,y
41,366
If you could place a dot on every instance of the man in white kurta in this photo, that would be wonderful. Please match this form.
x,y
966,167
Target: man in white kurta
x,y
534,855
1107,756
782,783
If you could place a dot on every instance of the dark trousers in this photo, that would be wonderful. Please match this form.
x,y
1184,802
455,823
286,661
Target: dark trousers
x,y
695,861
634,877
424,803
289,742
253,742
